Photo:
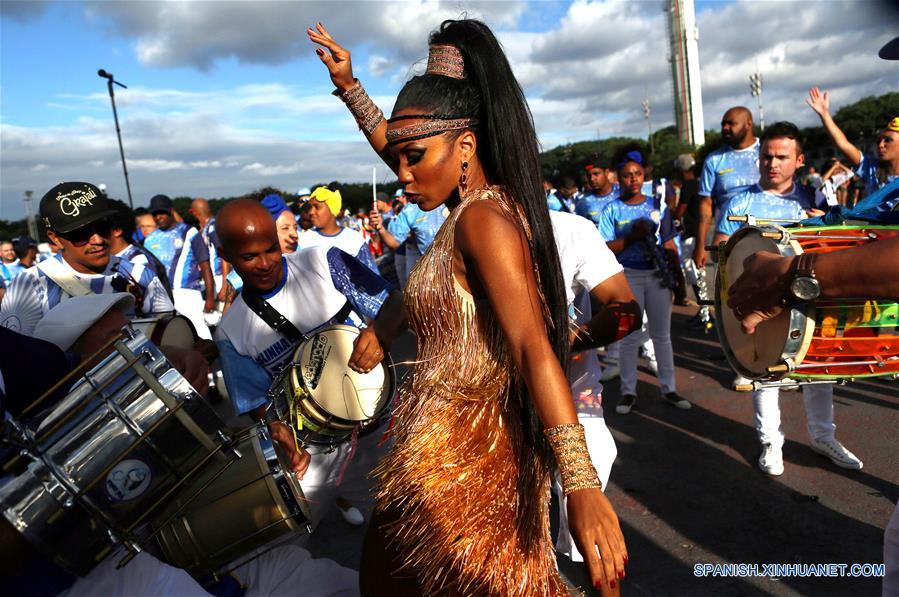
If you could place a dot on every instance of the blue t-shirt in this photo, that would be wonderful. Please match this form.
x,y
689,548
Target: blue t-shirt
x,y
591,205
867,171
8,271
181,250
210,237
424,224
554,201
728,172
763,204
618,218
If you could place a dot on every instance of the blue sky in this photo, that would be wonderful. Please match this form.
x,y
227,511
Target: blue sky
x,y
227,96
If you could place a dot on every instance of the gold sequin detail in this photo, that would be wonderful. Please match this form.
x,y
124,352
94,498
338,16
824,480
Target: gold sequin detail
x,y
471,494
445,60
569,444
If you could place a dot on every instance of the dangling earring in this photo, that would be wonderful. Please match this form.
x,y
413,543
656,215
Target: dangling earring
x,y
463,179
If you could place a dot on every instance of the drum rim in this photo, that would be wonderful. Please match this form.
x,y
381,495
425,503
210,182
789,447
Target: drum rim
x,y
165,318
802,317
292,385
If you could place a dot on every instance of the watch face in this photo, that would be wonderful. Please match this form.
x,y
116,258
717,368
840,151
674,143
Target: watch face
x,y
805,289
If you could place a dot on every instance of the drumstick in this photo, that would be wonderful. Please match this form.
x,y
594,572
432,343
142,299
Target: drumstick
x,y
374,188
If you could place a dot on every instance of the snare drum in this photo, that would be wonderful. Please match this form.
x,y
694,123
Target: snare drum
x,y
322,398
828,340
169,329
256,500
93,471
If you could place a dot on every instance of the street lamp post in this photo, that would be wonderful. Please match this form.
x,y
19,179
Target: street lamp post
x,y
110,81
755,85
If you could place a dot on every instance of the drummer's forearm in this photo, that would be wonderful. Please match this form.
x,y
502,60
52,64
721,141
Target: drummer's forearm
x,y
868,271
391,321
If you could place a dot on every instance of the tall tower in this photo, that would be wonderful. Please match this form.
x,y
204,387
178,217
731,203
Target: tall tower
x,y
684,37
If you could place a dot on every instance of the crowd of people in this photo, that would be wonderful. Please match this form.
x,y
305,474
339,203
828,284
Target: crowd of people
x,y
514,290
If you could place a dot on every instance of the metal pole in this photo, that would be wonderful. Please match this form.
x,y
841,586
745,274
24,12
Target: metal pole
x,y
32,225
109,82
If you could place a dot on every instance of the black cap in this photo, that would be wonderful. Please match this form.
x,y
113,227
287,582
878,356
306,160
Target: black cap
x,y
891,50
160,203
20,243
71,205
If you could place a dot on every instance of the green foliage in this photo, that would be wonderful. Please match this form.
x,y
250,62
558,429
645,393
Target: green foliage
x,y
867,117
861,121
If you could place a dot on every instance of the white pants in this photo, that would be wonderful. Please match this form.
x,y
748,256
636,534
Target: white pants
x,y
891,556
144,575
584,378
656,304
319,484
190,303
818,413
291,570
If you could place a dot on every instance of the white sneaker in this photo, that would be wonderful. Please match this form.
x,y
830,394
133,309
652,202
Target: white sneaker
x,y
771,460
653,364
837,453
350,513
610,372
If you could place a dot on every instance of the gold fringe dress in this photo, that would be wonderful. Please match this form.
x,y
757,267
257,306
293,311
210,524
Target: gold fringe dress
x,y
469,496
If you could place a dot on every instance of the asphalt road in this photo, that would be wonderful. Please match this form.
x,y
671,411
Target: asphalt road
x,y
688,491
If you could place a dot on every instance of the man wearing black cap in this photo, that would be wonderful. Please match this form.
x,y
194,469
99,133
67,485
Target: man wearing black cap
x,y
26,250
75,214
186,258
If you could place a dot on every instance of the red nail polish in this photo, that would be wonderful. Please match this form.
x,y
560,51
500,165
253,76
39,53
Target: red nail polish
x,y
319,51
621,575
612,584
625,559
598,585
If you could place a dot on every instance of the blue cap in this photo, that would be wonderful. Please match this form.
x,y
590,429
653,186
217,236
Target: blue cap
x,y
275,205
399,192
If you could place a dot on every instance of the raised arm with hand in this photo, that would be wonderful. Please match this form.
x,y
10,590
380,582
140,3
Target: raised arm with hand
x,y
820,102
340,67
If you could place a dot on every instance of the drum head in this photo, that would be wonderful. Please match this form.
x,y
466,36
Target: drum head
x,y
167,330
337,390
774,339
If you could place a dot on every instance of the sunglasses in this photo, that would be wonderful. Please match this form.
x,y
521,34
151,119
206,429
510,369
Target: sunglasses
x,y
81,236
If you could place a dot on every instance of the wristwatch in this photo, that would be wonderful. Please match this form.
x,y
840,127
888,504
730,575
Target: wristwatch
x,y
804,286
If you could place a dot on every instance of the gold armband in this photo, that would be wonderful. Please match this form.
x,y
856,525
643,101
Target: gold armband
x,y
570,447
367,114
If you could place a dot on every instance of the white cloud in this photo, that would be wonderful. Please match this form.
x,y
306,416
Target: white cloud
x,y
199,34
584,76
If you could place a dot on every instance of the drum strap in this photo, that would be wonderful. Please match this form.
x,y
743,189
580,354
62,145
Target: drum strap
x,y
65,279
275,320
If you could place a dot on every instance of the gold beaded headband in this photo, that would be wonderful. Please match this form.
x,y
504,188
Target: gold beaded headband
x,y
446,61
432,125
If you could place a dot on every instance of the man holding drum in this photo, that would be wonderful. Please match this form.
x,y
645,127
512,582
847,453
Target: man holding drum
x,y
76,215
777,195
309,289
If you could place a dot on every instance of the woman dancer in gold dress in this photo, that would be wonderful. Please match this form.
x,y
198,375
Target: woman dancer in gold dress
x,y
462,499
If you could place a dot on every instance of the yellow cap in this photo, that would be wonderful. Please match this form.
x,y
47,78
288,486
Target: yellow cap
x,y
330,198
894,125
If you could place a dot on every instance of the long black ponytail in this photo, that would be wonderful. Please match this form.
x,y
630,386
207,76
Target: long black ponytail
x,y
508,151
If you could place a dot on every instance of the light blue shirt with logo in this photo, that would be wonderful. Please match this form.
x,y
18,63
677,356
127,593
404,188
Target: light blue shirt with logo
x,y
764,204
591,205
728,172
181,250
618,218
424,224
